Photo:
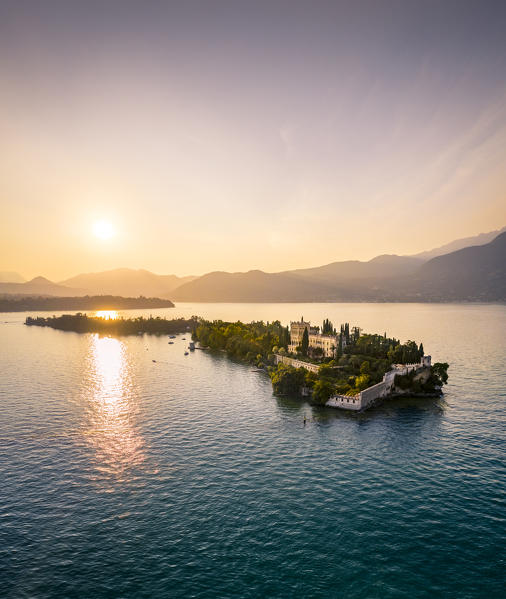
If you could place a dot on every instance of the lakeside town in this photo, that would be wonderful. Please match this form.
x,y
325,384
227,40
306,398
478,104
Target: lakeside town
x,y
346,369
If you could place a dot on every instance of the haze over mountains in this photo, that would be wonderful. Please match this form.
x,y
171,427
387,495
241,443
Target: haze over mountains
x,y
473,270
127,282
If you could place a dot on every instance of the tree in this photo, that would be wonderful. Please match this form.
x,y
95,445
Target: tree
x,y
440,370
305,342
287,380
362,382
322,391
317,352
327,328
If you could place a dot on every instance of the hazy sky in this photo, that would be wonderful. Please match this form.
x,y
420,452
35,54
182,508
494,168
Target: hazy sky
x,y
240,135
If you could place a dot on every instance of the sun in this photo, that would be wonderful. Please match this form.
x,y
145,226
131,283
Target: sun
x,y
103,229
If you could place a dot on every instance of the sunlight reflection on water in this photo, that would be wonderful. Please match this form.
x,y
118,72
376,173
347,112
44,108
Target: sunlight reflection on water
x,y
110,427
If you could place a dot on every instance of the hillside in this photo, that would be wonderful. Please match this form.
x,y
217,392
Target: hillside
x,y
384,266
472,274
11,277
252,286
459,244
38,286
126,282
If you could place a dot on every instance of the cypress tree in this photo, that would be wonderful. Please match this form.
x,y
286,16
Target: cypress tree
x,y
305,342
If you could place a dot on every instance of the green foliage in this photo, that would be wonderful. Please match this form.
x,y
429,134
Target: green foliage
x,y
311,378
440,371
287,380
362,382
81,323
365,367
416,383
328,328
305,342
404,354
253,342
322,390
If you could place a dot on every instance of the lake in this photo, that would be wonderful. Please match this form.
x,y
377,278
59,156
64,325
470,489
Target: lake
x,y
185,477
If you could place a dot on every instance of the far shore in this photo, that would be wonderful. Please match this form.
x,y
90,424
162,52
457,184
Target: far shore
x,y
87,302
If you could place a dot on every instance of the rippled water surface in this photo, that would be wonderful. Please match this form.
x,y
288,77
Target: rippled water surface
x,y
186,477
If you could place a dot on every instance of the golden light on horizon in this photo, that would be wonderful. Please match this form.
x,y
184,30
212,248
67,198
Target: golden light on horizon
x,y
103,230
107,314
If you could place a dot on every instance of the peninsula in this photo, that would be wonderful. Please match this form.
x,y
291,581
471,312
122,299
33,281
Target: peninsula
x,y
24,303
82,323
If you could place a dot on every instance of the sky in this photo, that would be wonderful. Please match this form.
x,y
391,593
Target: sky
x,y
246,135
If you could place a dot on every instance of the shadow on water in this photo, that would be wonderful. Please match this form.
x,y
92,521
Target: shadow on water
x,y
403,410
408,410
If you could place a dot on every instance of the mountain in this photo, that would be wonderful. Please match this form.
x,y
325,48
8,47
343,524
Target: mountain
x,y
459,244
386,265
475,273
11,277
126,282
252,286
351,280
38,286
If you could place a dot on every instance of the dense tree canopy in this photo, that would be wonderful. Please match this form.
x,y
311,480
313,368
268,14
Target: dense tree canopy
x,y
81,323
243,341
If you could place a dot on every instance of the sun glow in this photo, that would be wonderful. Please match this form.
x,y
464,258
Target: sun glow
x,y
107,314
103,229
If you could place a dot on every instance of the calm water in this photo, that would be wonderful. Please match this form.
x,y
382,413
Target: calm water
x,y
185,477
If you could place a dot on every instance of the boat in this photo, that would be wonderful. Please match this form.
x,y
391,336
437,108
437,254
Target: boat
x,y
171,342
186,353
191,347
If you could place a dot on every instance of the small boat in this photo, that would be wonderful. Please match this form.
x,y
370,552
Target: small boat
x,y
191,347
153,360
172,336
186,353
171,342
184,338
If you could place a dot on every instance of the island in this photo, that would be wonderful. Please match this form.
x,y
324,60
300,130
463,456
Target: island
x,y
25,303
346,369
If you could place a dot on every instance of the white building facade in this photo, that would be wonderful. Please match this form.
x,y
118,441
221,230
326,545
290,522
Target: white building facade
x,y
329,344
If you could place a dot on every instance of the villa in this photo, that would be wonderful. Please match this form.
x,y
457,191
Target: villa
x,y
328,344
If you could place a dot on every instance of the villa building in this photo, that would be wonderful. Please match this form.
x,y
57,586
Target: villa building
x,y
328,344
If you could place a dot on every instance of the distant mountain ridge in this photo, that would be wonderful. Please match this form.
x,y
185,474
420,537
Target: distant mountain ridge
x,y
473,273
126,282
476,273
39,286
11,277
459,244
